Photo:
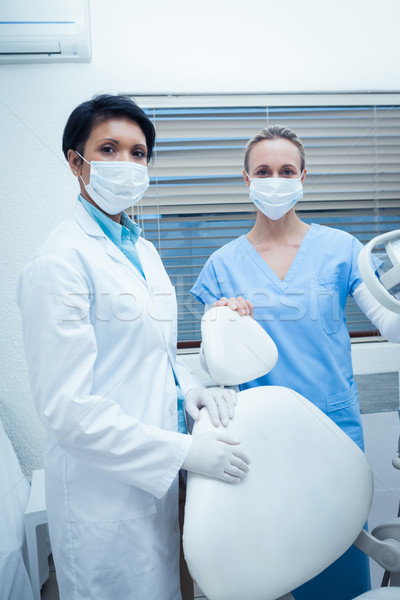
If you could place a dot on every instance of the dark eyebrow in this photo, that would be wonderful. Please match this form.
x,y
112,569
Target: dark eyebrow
x,y
108,139
282,167
117,142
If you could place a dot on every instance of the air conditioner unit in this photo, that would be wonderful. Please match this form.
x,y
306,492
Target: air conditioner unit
x,y
44,31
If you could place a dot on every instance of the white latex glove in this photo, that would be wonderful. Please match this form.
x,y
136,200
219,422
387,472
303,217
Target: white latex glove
x,y
216,455
220,403
243,307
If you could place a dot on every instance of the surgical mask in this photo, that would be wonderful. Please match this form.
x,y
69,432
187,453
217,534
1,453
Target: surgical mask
x,y
275,196
116,185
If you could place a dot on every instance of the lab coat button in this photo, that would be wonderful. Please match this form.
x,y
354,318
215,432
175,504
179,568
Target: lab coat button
x,y
172,409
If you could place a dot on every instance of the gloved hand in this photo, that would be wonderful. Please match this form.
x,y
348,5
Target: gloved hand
x,y
220,403
243,307
216,455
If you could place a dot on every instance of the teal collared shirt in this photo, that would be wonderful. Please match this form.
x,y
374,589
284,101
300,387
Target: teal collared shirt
x,y
125,235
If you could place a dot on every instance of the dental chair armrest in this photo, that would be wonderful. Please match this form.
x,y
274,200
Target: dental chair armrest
x,y
385,551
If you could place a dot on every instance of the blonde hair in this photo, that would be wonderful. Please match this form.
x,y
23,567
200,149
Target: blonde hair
x,y
274,133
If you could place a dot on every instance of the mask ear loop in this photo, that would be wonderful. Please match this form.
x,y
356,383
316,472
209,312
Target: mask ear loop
x,y
86,161
82,157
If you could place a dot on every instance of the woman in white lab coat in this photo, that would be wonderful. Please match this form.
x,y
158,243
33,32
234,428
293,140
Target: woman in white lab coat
x,y
99,325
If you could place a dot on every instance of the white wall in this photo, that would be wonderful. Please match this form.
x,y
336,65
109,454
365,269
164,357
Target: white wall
x,y
179,46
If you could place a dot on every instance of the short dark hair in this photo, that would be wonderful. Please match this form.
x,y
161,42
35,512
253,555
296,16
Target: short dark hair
x,y
101,108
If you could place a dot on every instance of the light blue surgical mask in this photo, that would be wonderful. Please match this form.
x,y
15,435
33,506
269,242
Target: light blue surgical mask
x,y
116,185
275,196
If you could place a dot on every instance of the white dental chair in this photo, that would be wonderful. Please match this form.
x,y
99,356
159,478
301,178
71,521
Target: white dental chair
x,y
307,495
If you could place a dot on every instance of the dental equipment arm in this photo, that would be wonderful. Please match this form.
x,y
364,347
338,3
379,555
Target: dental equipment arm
x,y
380,287
383,545
386,321
396,458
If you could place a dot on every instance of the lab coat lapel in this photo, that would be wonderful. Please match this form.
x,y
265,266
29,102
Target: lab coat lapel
x,y
86,222
157,287
119,256
93,229
153,286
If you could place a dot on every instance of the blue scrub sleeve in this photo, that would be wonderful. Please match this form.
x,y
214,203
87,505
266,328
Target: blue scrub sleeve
x,y
354,274
207,289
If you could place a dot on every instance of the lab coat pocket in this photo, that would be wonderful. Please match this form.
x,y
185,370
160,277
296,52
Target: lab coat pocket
x,y
93,497
115,560
327,291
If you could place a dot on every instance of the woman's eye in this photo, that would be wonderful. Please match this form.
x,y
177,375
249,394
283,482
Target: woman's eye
x,y
287,172
139,153
262,173
107,149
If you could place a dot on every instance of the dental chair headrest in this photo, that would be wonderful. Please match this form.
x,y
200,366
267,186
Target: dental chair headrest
x,y
236,348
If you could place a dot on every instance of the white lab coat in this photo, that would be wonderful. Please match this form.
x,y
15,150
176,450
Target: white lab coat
x,y
100,342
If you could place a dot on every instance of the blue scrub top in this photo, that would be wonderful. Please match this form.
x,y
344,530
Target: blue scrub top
x,y
304,315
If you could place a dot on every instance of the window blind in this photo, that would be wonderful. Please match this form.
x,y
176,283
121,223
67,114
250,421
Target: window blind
x,y
198,200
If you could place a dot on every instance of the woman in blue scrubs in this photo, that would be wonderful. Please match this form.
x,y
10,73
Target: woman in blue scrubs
x,y
294,278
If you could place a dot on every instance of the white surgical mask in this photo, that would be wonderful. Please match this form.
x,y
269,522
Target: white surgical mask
x,y
116,185
275,196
